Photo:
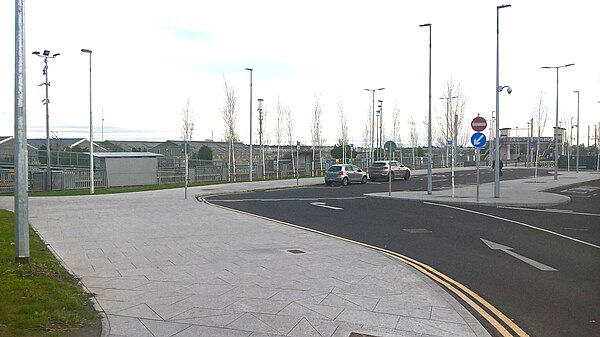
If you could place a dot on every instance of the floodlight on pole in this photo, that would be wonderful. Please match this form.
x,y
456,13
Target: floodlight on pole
x,y
497,89
87,51
373,124
46,102
556,126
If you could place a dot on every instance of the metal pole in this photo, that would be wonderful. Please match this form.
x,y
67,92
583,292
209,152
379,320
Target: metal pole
x,y
429,150
250,69
569,147
91,127
477,164
454,150
373,129
556,133
21,198
185,151
577,150
48,158
497,131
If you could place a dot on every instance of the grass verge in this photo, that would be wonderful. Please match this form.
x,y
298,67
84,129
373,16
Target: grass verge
x,y
40,298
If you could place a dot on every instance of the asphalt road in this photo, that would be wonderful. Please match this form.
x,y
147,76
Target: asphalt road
x,y
539,267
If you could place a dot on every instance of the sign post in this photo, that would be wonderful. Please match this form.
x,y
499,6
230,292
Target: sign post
x,y
297,161
478,140
389,146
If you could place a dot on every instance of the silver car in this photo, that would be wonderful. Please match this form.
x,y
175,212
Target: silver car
x,y
381,169
345,174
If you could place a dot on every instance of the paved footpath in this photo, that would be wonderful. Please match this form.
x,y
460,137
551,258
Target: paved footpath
x,y
160,265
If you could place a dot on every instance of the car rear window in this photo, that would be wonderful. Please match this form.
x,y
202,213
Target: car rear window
x,y
334,169
378,164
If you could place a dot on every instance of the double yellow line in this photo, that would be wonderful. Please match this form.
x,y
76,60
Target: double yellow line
x,y
491,314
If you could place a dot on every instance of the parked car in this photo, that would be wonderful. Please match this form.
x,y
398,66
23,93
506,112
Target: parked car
x,y
381,169
345,174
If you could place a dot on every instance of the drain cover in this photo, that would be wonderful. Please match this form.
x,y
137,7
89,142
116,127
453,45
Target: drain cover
x,y
296,251
356,334
417,230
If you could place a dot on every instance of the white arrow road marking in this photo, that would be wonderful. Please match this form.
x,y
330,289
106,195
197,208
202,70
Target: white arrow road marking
x,y
508,250
478,140
322,204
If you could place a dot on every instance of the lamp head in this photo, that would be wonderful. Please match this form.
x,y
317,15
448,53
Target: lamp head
x,y
425,25
46,52
86,51
36,53
509,90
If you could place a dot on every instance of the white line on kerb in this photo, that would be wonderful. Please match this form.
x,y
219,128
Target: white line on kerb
x,y
515,222
289,199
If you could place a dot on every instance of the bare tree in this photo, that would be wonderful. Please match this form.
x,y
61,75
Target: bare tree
x,y
187,122
317,132
278,131
414,138
290,129
396,135
229,114
541,117
343,130
454,105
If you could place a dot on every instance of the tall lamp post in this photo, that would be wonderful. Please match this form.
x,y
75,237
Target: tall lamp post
x,y
250,70
46,55
498,89
556,127
577,145
89,52
373,124
429,154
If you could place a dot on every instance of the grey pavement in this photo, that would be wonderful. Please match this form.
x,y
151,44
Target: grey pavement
x,y
160,265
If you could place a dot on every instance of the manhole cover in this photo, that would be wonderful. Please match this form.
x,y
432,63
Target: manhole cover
x,y
417,230
296,251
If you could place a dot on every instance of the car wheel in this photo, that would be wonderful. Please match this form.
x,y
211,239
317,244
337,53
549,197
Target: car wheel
x,y
328,183
364,180
373,179
392,175
345,182
406,175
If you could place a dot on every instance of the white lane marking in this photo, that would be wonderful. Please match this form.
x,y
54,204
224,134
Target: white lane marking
x,y
550,210
508,250
515,222
289,199
322,204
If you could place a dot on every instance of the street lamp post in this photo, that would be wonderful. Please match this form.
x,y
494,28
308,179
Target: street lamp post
x,y
373,124
577,145
91,127
46,55
497,131
429,154
556,128
250,70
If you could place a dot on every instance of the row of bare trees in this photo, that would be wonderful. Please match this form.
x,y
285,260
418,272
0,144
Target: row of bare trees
x,y
450,125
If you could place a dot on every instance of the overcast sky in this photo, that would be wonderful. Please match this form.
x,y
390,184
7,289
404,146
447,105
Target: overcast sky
x,y
150,56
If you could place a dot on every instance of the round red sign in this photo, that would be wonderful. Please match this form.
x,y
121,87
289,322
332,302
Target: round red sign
x,y
478,124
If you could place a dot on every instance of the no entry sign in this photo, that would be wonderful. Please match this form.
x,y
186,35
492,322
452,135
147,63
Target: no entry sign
x,y
478,124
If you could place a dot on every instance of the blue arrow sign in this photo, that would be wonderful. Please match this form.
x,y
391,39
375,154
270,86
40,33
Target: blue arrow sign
x,y
478,140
